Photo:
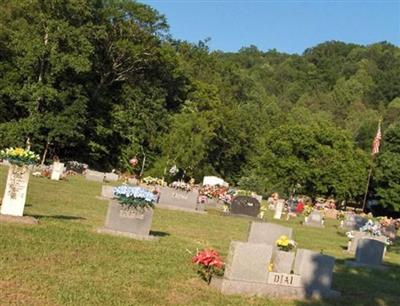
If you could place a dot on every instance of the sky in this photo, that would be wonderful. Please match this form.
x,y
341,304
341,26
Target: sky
x,y
288,25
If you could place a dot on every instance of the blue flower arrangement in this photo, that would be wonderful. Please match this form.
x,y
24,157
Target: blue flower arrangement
x,y
134,196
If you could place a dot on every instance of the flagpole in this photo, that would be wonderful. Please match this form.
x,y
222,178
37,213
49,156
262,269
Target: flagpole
x,y
367,187
375,150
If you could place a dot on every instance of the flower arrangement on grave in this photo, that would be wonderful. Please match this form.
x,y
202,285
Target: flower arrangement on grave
x,y
135,197
371,228
209,263
149,180
181,185
285,244
386,222
307,210
76,166
341,216
19,156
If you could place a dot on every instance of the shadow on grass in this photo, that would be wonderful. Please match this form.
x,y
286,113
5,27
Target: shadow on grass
x,y
362,286
159,234
58,217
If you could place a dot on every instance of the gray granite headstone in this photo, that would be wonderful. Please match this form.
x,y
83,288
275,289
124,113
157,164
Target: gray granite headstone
x,y
390,231
354,222
315,219
268,233
357,236
370,252
111,177
245,205
130,220
179,199
95,176
248,262
315,270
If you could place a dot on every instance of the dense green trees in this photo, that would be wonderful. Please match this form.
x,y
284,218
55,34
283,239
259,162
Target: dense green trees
x,y
101,81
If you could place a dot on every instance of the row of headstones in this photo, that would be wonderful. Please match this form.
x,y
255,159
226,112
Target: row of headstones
x,y
247,268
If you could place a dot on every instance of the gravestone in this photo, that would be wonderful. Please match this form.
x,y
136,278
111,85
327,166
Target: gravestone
x,y
390,231
248,261
370,252
176,199
316,271
315,219
278,209
244,205
268,233
127,221
111,177
95,176
57,171
16,189
354,222
107,191
357,236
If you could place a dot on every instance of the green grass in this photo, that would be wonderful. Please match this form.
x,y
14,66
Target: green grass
x,y
63,261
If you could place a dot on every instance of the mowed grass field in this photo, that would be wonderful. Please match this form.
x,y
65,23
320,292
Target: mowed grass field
x,y
63,261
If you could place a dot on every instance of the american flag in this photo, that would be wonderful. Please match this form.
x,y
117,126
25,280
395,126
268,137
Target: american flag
x,y
377,141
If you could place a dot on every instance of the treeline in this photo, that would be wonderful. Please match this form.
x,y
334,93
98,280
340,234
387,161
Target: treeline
x,y
102,81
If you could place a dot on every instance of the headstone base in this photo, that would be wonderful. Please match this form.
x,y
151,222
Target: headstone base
x,y
227,286
355,264
171,207
104,230
17,219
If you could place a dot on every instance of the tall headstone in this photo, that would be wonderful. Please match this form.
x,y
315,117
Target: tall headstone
x,y
370,252
268,233
354,222
16,189
316,271
248,261
245,205
278,209
57,171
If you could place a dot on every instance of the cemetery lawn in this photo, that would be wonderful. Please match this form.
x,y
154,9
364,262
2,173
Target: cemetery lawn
x,y
63,261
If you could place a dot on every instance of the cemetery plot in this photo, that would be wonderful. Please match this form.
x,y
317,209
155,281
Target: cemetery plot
x,y
247,273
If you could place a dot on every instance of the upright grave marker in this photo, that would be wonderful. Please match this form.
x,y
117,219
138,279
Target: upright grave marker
x,y
16,189
245,205
57,171
279,209
17,179
315,219
267,233
369,253
95,176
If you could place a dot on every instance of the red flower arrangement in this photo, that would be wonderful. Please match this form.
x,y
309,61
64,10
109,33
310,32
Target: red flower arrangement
x,y
209,262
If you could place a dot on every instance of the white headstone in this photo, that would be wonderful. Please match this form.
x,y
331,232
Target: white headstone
x,y
278,210
57,171
16,188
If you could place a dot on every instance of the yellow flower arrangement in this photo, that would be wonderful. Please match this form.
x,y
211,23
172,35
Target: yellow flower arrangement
x,y
19,156
285,244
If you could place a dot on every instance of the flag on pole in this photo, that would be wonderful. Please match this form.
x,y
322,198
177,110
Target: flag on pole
x,y
377,141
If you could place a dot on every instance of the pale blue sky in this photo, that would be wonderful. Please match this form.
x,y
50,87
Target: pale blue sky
x,y
289,26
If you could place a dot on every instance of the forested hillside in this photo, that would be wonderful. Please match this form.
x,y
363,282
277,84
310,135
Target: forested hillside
x,y
101,81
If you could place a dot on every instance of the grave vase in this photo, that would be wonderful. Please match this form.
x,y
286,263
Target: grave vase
x,y
283,261
16,189
126,219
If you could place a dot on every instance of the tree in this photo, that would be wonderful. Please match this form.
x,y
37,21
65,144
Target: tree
x,y
387,176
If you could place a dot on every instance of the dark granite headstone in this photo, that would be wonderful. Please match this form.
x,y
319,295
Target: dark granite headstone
x,y
244,205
